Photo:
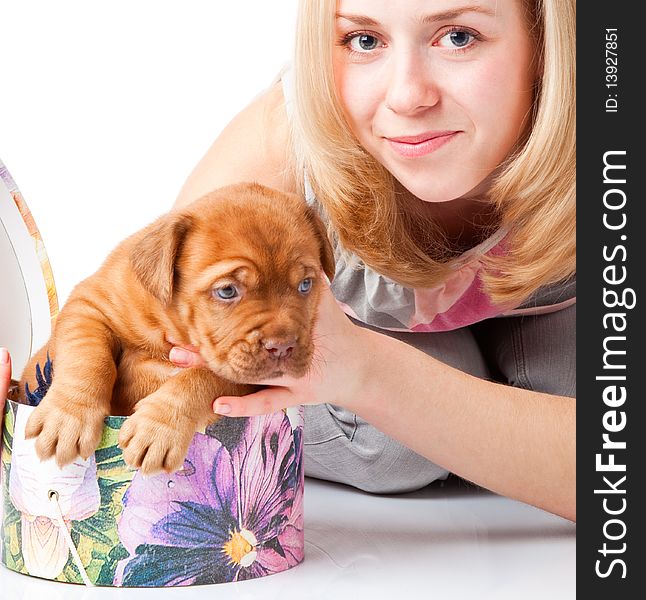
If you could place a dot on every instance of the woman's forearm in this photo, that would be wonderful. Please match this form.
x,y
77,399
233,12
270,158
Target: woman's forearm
x,y
515,442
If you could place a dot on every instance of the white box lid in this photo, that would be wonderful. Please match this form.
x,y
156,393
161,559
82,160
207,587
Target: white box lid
x,y
28,301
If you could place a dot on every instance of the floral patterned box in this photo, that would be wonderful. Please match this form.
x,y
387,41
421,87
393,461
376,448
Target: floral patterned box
x,y
233,512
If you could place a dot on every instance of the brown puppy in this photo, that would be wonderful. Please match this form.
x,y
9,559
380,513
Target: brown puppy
x,y
235,274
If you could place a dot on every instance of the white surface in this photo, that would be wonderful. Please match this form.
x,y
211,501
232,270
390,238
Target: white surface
x,y
444,542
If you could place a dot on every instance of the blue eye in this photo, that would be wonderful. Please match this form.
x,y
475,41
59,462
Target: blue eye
x,y
305,286
361,42
365,42
456,39
460,38
228,292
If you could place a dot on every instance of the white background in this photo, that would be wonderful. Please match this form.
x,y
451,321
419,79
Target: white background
x,y
107,106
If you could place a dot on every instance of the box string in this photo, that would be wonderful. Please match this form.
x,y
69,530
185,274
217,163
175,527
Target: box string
x,y
53,497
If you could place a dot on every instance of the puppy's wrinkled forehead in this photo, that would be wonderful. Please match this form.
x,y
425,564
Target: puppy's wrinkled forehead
x,y
254,234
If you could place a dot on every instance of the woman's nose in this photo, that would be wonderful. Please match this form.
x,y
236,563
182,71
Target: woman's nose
x,y
411,86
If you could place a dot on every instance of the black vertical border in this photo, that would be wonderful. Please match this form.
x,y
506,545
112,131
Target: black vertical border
x,y
598,132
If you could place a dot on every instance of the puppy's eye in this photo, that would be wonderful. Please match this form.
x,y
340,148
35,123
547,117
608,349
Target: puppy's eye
x,y
228,292
305,286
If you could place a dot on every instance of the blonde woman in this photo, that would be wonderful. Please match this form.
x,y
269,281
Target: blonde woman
x,y
436,137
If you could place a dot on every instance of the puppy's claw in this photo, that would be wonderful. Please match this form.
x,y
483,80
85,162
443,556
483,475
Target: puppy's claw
x,y
65,455
173,461
151,464
46,446
34,426
134,457
152,446
88,443
125,434
63,434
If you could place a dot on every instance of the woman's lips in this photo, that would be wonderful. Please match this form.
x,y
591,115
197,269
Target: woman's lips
x,y
413,146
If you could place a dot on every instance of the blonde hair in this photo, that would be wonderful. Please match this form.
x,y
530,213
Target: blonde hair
x,y
533,195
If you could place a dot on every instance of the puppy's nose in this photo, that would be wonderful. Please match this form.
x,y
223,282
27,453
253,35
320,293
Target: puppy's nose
x,y
278,348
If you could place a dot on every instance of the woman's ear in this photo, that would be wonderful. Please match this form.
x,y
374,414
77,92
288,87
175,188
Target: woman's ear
x,y
153,257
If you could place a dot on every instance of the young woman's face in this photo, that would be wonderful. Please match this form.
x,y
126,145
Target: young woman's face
x,y
438,91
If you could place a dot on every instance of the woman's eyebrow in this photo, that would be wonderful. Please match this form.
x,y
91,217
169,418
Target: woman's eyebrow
x,y
447,15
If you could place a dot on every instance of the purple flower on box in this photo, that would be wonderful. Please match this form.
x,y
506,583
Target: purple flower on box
x,y
233,517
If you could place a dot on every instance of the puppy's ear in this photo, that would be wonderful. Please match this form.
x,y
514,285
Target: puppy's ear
x,y
153,257
325,248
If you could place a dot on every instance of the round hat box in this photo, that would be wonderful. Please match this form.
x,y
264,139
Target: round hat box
x,y
233,512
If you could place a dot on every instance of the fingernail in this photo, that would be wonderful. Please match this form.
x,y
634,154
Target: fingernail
x,y
179,356
222,409
4,356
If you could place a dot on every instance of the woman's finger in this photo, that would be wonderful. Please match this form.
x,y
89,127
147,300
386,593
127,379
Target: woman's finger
x,y
183,357
5,375
264,402
5,382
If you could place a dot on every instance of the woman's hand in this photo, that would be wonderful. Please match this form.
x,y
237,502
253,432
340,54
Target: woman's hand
x,y
5,380
5,374
341,350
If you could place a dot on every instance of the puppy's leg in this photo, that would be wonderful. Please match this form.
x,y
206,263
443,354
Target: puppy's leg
x,y
157,436
69,420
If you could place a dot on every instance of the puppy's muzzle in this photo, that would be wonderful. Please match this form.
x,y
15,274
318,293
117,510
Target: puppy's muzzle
x,y
279,349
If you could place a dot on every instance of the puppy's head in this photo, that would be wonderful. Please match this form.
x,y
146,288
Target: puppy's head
x,y
240,270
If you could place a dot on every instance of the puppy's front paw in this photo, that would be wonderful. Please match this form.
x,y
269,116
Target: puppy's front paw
x,y
152,445
64,429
